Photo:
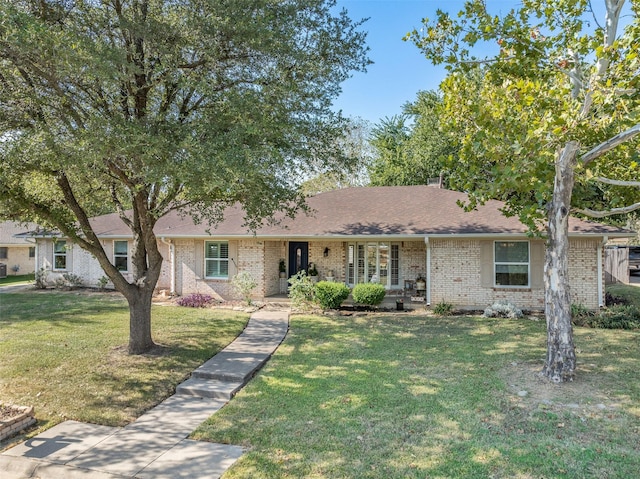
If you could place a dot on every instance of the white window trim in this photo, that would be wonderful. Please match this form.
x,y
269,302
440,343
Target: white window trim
x,y
215,259
55,255
528,264
389,245
115,255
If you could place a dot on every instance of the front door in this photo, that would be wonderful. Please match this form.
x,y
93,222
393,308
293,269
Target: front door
x,y
298,257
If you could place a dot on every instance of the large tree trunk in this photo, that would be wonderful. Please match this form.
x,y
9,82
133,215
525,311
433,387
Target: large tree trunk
x,y
140,339
561,357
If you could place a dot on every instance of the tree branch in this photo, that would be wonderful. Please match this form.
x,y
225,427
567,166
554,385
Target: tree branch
x,y
609,181
605,213
610,144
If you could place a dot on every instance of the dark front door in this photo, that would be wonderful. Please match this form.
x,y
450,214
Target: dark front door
x,y
298,257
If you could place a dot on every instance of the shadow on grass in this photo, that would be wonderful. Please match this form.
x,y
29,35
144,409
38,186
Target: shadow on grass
x,y
422,397
57,307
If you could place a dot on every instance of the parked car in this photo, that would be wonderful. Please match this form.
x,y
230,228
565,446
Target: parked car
x,y
634,259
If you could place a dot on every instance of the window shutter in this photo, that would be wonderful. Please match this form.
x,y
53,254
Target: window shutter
x,y
537,265
233,259
199,259
486,264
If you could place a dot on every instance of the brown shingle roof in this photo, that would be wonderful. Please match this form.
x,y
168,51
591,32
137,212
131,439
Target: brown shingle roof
x,y
9,230
398,211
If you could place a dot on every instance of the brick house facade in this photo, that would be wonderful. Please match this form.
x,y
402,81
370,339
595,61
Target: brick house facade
x,y
391,235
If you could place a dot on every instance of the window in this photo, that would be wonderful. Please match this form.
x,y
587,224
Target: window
x,y
511,263
32,251
121,255
373,262
60,255
4,252
216,262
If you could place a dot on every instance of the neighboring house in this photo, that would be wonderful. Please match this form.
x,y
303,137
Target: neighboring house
x,y
17,253
392,235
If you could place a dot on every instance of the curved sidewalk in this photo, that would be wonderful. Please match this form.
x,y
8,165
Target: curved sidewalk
x,y
155,445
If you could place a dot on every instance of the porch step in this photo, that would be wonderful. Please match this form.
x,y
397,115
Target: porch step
x,y
209,388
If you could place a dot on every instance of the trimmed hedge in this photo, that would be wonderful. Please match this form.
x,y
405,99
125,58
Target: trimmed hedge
x,y
370,294
330,295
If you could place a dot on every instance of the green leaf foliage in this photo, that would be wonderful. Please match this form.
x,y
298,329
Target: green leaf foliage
x,y
411,148
370,294
330,295
545,78
148,106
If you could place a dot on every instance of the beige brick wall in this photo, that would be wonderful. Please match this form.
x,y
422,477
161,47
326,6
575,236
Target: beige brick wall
x,y
455,269
334,264
583,272
18,256
455,276
244,255
85,265
413,260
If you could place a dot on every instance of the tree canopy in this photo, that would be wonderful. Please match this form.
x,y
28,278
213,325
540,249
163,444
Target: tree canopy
x,y
411,148
147,106
550,110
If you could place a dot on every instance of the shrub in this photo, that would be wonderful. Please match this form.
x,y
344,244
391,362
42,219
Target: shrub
x,y
616,317
503,309
443,308
244,284
330,295
613,300
370,294
68,281
301,291
581,315
41,278
194,300
102,282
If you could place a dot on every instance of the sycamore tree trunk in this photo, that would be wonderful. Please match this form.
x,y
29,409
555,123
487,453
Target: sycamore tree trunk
x,y
560,363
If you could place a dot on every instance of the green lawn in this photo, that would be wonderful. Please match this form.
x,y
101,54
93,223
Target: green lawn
x,y
65,354
409,396
17,279
629,292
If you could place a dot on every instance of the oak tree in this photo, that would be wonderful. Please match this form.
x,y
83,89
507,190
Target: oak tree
x,y
148,106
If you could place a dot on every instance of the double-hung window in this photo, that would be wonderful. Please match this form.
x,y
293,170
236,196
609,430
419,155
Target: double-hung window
x,y
216,259
512,263
60,255
121,255
4,252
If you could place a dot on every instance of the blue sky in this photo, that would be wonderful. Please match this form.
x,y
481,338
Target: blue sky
x,y
399,70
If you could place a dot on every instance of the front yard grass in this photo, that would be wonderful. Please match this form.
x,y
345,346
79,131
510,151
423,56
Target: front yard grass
x,y
17,279
409,396
65,353
627,291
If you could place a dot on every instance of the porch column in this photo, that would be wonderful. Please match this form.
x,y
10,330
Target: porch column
x,y
428,271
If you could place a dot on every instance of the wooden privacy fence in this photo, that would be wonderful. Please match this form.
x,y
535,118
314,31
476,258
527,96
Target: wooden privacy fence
x,y
616,265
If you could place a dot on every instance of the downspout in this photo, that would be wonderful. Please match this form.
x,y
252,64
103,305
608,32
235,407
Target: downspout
x,y
428,272
172,260
605,239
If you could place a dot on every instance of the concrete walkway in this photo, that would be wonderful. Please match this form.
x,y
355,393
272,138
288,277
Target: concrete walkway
x,y
155,445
